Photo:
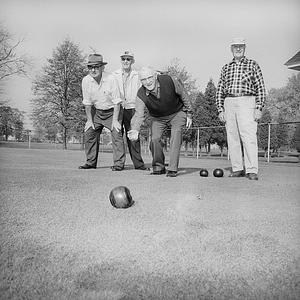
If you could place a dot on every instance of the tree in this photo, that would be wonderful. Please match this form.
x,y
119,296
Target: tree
x,y
181,74
58,97
263,132
217,134
11,63
281,131
296,138
11,122
286,100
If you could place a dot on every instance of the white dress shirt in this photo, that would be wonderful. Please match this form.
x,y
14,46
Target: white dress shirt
x,y
103,95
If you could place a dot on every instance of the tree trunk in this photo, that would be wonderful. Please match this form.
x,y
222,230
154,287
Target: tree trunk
x,y
65,131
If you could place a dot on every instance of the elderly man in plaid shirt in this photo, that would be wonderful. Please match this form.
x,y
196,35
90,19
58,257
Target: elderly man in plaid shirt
x,y
240,98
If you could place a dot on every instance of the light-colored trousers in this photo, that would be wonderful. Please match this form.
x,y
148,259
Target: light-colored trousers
x,y
241,131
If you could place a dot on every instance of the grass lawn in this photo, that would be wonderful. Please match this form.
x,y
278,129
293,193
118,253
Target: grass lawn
x,y
187,237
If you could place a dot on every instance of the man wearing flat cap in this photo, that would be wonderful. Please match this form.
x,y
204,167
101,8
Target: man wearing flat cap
x,y
100,90
128,83
240,98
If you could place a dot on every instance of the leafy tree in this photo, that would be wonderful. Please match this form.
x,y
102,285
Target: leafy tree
x,y
296,138
281,131
263,132
285,100
11,63
57,103
201,119
216,133
11,122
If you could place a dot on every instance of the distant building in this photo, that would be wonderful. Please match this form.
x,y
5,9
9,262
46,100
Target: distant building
x,y
294,62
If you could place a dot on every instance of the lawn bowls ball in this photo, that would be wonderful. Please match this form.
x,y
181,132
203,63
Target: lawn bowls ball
x,y
218,173
203,173
120,197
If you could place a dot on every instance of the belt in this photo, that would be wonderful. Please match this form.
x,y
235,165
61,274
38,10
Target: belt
x,y
238,95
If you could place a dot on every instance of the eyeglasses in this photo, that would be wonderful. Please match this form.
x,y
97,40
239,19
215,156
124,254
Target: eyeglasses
x,y
94,67
126,58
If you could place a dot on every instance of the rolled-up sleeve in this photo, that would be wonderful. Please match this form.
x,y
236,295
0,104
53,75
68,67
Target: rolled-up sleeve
x,y
86,92
139,115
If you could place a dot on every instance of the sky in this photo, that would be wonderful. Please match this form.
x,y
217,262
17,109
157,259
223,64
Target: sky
x,y
197,32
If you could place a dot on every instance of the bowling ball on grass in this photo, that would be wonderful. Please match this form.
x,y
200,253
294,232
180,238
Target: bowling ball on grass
x,y
218,172
203,173
120,197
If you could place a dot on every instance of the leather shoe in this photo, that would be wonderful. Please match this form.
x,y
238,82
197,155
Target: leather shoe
x,y
158,172
86,166
116,168
252,176
171,174
237,174
143,168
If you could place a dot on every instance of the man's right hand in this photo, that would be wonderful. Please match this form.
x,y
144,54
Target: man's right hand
x,y
222,117
133,135
88,124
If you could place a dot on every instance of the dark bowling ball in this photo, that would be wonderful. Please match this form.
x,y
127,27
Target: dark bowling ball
x,y
120,197
203,173
218,173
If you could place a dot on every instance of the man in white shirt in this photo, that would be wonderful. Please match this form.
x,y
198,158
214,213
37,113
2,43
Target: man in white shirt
x,y
129,83
102,104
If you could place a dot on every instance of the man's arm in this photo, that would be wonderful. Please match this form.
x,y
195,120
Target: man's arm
x,y
220,92
181,91
137,119
260,88
139,115
89,123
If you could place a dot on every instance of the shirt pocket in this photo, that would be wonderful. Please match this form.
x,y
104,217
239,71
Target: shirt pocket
x,y
247,77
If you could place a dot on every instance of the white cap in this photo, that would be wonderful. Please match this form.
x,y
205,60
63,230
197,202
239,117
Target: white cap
x,y
238,41
127,53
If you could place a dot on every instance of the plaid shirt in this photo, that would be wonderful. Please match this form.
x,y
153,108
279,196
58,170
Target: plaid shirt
x,y
242,78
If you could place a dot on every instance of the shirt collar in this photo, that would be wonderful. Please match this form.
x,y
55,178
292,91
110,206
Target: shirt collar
x,y
243,60
103,78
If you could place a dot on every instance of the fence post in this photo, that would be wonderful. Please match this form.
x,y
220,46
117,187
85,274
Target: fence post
x,y
269,141
198,137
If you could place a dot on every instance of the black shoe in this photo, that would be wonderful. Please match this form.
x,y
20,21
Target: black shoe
x,y
252,176
86,166
143,168
158,172
116,168
171,174
237,174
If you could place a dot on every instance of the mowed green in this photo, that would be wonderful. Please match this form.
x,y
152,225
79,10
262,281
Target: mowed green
x,y
188,237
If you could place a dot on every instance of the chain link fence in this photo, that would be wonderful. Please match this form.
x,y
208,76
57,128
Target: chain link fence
x,y
274,140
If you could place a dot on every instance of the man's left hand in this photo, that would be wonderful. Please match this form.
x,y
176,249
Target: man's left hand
x,y
116,125
189,122
257,114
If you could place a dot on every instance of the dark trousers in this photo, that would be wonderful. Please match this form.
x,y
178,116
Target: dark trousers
x,y
134,147
177,121
103,118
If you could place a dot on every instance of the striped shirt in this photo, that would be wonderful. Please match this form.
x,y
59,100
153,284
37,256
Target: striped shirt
x,y
242,78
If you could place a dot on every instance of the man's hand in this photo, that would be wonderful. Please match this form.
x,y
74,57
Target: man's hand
x,y
88,124
116,125
189,122
222,117
133,135
257,114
